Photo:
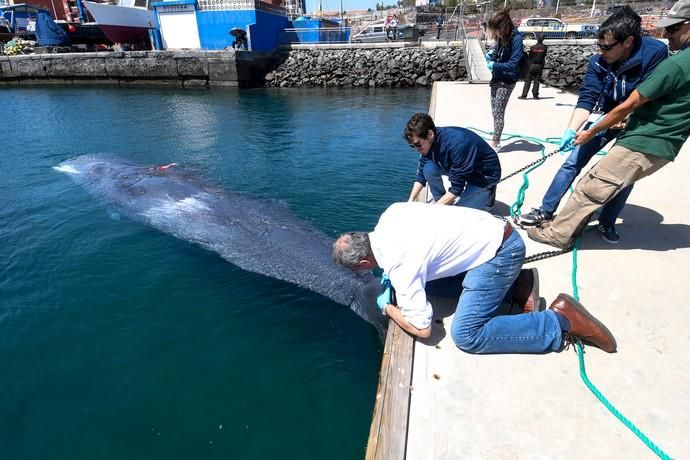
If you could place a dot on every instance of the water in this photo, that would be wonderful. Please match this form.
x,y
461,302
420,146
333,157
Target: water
x,y
118,341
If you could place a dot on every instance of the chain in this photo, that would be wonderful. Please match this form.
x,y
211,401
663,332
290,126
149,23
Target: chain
x,y
546,255
515,173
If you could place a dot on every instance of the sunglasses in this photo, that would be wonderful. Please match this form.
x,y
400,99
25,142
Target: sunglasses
x,y
607,47
415,145
672,29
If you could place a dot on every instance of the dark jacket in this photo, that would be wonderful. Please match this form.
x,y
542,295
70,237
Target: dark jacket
x,y
605,86
537,54
507,60
466,156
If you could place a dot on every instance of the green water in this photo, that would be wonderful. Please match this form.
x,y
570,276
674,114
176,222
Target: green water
x,y
118,341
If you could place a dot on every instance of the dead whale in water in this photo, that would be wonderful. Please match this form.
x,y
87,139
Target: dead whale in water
x,y
256,235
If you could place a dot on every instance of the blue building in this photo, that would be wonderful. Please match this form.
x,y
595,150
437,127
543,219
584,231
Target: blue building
x,y
206,24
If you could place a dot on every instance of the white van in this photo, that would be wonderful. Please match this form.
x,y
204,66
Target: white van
x,y
371,33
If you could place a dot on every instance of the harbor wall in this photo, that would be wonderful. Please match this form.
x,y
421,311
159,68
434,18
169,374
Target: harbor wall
x,y
366,67
176,68
345,67
400,67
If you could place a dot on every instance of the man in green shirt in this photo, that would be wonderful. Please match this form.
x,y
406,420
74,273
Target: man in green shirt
x,y
653,136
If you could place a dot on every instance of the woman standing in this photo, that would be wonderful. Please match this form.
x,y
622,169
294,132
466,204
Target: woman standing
x,y
504,63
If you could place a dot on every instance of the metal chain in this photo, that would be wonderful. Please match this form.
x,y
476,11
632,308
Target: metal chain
x,y
515,173
579,231
546,255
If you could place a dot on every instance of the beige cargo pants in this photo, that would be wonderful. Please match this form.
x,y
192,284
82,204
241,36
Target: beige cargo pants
x,y
618,169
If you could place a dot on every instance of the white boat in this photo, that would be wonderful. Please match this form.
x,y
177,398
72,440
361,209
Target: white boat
x,y
127,22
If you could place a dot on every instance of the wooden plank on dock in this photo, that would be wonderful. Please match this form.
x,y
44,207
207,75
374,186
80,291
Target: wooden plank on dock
x,y
388,432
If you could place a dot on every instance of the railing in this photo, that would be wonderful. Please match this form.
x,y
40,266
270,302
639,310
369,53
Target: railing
x,y
320,35
228,5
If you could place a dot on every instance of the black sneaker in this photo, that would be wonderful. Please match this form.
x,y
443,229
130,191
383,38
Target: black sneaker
x,y
534,217
522,97
608,233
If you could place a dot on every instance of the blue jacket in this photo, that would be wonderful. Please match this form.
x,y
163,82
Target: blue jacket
x,y
507,60
466,156
605,85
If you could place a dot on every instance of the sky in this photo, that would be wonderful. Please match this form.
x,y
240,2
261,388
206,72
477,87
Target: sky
x,y
334,5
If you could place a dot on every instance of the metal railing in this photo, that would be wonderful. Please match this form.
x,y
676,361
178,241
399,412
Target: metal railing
x,y
327,35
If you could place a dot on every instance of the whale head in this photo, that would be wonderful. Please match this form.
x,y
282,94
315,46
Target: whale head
x,y
364,304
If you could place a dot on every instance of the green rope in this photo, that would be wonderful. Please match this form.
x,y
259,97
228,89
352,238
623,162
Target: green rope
x,y
583,374
516,207
515,210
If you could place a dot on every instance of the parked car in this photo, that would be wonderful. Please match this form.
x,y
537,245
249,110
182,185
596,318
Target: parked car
x,y
555,28
377,33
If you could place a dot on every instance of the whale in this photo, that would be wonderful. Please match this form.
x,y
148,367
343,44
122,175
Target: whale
x,y
256,235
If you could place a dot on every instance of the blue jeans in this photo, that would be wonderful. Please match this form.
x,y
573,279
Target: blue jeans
x,y
481,197
478,326
571,167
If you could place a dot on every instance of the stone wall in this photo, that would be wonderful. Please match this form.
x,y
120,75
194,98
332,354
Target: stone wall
x,y
387,67
566,65
353,67
398,67
180,68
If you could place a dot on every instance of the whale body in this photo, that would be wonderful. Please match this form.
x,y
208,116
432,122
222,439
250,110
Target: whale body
x,y
256,235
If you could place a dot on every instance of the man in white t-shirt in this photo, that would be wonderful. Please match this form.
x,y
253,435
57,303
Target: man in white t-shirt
x,y
415,243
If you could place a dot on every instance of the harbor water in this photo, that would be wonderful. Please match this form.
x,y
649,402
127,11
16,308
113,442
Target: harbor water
x,y
119,341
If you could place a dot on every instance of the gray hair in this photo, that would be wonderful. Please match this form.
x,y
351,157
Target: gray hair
x,y
351,248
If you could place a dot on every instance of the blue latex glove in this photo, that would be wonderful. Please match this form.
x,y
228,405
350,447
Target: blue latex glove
x,y
490,65
566,144
490,55
384,298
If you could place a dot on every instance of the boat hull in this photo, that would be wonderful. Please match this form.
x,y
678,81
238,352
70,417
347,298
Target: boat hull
x,y
122,24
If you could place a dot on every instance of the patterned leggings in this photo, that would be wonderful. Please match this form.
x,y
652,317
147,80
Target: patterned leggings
x,y
500,94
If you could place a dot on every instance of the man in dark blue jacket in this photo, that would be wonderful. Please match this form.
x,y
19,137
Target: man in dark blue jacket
x,y
471,164
625,59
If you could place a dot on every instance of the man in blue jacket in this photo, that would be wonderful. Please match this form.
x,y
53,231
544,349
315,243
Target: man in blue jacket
x,y
471,165
625,59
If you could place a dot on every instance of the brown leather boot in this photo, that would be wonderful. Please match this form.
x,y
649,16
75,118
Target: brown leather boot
x,y
526,290
583,324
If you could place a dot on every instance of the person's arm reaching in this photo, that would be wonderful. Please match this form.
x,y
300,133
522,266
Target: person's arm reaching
x,y
578,118
447,198
396,315
416,188
614,117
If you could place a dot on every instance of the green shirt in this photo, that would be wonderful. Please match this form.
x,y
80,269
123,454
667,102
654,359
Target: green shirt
x,y
661,126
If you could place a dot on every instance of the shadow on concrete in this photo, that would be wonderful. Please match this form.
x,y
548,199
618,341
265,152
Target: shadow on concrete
x,y
642,228
521,145
501,209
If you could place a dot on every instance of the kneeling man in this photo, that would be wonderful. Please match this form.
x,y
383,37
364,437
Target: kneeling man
x,y
416,243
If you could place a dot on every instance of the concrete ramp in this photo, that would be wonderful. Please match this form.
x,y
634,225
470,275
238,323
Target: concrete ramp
x,y
477,72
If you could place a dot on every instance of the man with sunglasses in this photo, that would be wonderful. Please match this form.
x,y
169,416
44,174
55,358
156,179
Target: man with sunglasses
x,y
658,127
625,59
472,166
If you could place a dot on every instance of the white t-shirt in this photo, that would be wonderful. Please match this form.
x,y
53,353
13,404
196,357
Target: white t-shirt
x,y
417,242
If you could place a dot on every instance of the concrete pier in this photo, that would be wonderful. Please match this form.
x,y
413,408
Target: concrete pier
x,y
458,405
177,68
